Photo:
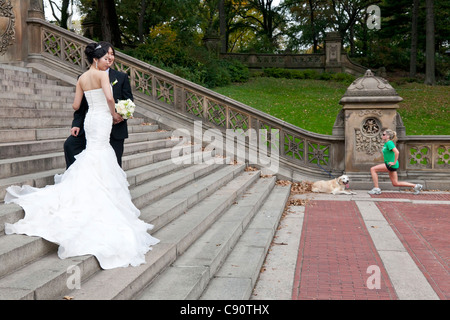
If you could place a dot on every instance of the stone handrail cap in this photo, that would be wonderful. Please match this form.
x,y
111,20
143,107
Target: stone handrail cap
x,y
372,89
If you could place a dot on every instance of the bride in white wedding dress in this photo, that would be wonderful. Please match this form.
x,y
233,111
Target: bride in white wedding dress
x,y
89,209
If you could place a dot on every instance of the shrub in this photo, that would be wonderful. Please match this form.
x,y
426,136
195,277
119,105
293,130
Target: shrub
x,y
311,74
307,74
191,62
238,71
343,77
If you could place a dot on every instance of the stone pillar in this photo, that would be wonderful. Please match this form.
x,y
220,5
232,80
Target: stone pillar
x,y
333,49
14,33
369,105
212,43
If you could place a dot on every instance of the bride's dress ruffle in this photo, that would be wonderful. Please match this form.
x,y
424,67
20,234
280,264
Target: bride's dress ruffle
x,y
88,210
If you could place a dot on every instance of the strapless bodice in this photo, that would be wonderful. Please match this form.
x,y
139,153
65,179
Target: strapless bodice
x,y
98,121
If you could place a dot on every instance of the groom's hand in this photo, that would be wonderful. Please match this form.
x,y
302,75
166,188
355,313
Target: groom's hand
x,y
75,131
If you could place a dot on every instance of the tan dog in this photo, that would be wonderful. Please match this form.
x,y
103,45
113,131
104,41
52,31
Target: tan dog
x,y
335,186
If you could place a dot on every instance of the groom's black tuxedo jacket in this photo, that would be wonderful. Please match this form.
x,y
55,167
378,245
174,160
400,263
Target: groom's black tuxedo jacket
x,y
121,91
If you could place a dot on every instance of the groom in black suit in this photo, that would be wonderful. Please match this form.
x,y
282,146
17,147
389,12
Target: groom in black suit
x,y
76,142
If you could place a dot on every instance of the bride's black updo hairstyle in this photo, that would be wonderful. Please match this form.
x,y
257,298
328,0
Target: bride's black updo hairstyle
x,y
94,50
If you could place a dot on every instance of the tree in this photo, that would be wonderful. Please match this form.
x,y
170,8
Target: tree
x,y
310,22
109,22
344,14
414,39
64,14
223,27
430,78
264,19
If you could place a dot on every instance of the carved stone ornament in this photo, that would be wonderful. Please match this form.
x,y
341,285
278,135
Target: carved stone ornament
x,y
370,88
368,138
333,52
363,113
7,26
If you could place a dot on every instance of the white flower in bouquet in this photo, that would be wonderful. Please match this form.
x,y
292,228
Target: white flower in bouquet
x,y
125,108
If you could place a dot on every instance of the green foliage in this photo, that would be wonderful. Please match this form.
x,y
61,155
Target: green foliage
x,y
307,74
193,62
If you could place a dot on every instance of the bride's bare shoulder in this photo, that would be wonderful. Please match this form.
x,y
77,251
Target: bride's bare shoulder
x,y
91,79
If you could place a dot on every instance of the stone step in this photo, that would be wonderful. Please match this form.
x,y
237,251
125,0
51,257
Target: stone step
x,y
30,164
155,189
9,68
27,123
7,112
135,143
27,87
31,91
47,122
135,176
23,149
237,276
144,158
124,283
13,73
11,95
24,165
20,249
143,146
188,276
163,211
30,79
38,180
35,134
47,277
11,213
148,136
54,104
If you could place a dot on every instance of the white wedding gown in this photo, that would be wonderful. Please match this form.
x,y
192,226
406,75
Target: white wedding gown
x,y
89,209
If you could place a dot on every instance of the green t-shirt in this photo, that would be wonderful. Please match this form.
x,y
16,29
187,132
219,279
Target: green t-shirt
x,y
388,154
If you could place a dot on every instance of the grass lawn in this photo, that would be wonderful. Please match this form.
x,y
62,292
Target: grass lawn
x,y
314,104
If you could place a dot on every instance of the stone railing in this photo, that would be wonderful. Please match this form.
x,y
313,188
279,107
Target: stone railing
x,y
425,154
333,59
287,61
316,61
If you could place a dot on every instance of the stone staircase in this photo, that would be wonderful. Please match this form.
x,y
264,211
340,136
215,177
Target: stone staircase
x,y
215,222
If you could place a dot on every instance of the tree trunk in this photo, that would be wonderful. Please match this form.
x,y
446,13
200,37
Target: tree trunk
x,y
141,20
223,27
413,60
430,78
62,20
313,26
64,13
109,22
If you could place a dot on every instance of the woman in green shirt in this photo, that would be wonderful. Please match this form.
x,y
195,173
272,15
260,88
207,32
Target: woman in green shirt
x,y
390,155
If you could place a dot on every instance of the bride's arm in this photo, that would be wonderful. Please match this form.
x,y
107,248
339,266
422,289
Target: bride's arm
x,y
78,97
108,93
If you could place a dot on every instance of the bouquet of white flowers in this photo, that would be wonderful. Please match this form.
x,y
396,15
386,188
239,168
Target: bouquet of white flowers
x,y
125,108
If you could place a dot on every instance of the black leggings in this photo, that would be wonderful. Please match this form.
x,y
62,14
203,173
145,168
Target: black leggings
x,y
389,167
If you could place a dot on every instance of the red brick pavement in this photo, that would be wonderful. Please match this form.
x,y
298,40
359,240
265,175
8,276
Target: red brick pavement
x,y
334,255
424,230
412,196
